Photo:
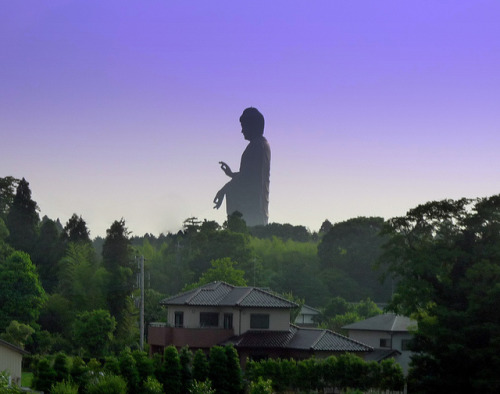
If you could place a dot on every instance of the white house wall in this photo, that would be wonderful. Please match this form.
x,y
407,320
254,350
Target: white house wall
x,y
10,361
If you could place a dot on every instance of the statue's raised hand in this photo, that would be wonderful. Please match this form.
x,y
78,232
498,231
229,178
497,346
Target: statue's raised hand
x,y
227,170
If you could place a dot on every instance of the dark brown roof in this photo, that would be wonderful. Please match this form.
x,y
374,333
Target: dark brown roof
x,y
299,338
224,294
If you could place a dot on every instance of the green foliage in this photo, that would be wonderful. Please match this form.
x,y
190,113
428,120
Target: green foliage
x,y
4,384
170,375
22,219
204,387
200,366
152,386
21,294
44,376
261,386
79,372
48,250
61,367
185,358
391,375
348,253
8,187
222,270
144,364
118,261
17,333
217,369
233,369
445,256
64,388
128,370
93,331
111,365
76,230
107,384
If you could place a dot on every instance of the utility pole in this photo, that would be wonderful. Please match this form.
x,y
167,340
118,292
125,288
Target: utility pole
x,y
141,308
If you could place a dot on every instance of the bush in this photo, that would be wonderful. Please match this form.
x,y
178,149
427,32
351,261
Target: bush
x,y
64,387
107,384
204,387
44,377
261,386
152,386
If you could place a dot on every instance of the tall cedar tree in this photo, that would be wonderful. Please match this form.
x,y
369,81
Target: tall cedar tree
x,y
8,186
117,259
49,249
23,219
76,230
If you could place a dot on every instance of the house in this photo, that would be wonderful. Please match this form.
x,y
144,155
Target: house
x,y
255,321
306,316
389,334
11,358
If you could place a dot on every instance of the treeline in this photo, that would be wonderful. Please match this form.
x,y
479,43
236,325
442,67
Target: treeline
x,y
75,285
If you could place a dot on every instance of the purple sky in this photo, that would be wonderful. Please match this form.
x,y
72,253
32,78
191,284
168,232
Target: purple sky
x,y
116,109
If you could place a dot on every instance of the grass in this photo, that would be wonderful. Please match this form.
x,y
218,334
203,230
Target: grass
x,y
26,379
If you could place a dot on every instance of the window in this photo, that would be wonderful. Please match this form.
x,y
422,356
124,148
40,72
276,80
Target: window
x,y
405,344
228,320
209,319
179,319
385,342
259,320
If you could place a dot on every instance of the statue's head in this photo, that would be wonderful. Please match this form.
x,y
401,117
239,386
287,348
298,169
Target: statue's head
x,y
252,123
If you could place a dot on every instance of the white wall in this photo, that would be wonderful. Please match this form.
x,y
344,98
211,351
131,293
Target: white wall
x,y
10,361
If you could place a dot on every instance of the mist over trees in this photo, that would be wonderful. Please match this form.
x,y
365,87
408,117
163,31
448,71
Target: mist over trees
x,y
62,291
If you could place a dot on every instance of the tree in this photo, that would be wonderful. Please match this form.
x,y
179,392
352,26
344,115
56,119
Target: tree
x,y
446,258
93,331
185,357
17,333
21,294
222,270
117,259
352,248
61,367
44,376
23,219
48,250
171,371
128,370
200,366
217,369
8,186
76,230
234,378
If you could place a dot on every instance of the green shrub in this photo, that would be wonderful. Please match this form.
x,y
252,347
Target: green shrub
x,y
152,386
204,387
261,386
107,384
64,387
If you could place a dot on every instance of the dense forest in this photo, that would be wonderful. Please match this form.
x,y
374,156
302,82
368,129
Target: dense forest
x,y
61,291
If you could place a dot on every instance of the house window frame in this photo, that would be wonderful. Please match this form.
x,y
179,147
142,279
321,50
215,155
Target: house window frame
x,y
228,320
209,319
385,343
405,345
259,321
179,319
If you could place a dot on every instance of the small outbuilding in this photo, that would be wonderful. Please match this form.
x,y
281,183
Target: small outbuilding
x,y
11,359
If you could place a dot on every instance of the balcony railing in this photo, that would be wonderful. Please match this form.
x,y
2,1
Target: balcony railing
x,y
160,334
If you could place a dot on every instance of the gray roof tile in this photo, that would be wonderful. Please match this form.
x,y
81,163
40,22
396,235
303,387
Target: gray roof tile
x,y
224,294
386,322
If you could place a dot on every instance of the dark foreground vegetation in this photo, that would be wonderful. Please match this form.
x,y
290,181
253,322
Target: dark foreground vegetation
x,y
62,292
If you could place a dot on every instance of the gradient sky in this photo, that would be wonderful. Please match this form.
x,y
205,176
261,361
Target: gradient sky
x,y
115,109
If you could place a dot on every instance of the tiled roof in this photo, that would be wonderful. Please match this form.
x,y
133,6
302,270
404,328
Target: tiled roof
x,y
224,294
386,322
298,338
